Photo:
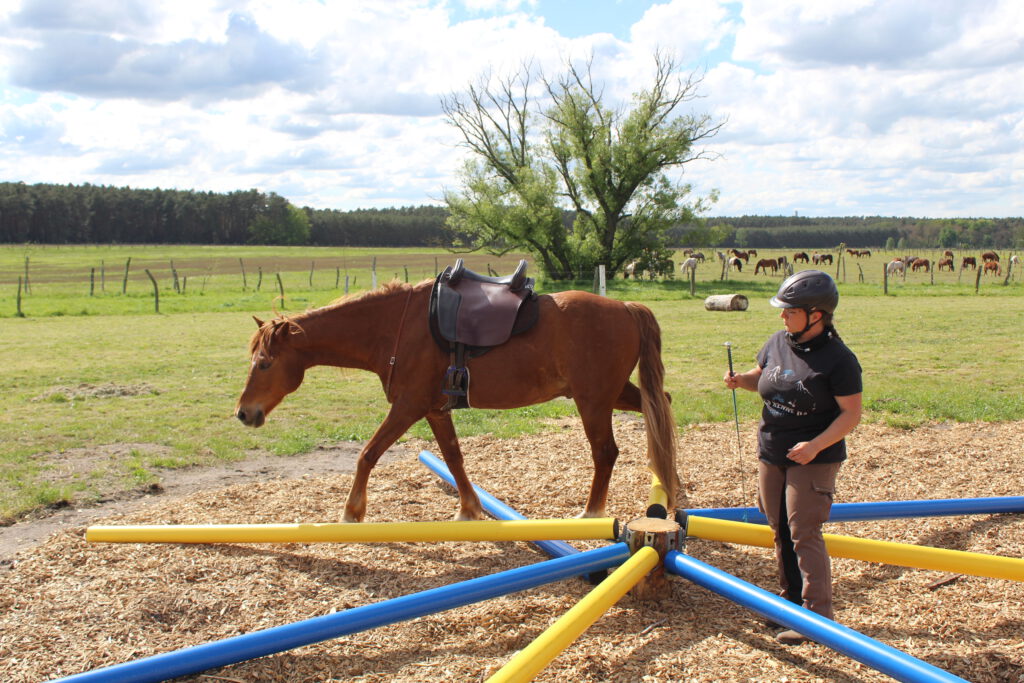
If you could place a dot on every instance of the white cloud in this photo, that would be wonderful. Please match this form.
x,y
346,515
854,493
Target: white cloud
x,y
865,106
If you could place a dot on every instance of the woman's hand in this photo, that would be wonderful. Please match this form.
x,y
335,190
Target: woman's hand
x,y
803,452
744,380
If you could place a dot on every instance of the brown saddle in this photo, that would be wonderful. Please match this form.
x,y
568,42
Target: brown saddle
x,y
471,313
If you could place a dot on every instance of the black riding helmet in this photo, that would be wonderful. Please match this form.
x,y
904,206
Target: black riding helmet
x,y
811,290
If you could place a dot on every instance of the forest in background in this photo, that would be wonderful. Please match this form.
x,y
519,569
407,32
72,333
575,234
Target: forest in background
x,y
96,214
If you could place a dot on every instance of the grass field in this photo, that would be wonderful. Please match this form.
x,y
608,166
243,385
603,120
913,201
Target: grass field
x,y
98,392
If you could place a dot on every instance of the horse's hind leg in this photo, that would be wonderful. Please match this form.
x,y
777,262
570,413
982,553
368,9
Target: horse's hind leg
x,y
394,425
444,431
597,423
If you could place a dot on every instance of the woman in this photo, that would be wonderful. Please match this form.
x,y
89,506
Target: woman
x,y
810,383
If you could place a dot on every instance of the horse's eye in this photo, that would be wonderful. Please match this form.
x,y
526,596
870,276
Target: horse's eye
x,y
262,362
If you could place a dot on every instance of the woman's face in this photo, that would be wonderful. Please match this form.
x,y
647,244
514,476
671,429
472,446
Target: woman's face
x,y
795,319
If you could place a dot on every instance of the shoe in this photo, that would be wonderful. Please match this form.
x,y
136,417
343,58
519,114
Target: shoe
x,y
791,637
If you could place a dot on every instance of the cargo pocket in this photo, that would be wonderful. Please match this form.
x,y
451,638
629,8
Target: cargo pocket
x,y
826,492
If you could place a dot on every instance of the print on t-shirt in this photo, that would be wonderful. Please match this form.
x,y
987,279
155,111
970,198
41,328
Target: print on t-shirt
x,y
791,397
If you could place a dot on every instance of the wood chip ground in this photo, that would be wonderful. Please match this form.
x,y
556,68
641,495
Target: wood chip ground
x,y
67,606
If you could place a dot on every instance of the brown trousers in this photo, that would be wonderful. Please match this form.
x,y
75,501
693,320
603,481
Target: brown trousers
x,y
797,500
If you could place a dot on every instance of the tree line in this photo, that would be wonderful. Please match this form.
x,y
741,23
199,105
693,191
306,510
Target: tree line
x,y
96,214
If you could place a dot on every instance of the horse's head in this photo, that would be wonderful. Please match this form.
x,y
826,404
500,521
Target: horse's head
x,y
276,369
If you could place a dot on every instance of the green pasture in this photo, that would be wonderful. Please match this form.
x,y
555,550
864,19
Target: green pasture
x,y
99,393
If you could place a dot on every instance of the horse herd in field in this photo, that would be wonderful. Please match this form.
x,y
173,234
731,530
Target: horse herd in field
x,y
989,263
737,259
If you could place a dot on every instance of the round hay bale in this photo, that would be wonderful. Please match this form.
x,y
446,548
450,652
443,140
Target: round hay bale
x,y
726,302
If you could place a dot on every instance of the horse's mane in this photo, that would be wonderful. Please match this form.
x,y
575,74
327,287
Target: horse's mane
x,y
263,338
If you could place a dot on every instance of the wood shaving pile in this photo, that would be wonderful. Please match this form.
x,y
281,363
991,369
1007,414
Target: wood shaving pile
x,y
67,606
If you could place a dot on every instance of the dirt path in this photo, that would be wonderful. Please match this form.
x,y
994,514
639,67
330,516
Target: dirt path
x,y
339,458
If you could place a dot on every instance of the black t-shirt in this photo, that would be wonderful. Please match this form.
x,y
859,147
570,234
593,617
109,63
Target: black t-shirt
x,y
798,388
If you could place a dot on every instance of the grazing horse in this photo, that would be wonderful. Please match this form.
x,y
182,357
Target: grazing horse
x,y
896,266
387,331
630,270
689,264
766,263
699,255
922,264
946,263
969,261
737,263
947,254
990,256
801,256
992,267
745,255
1015,260
821,258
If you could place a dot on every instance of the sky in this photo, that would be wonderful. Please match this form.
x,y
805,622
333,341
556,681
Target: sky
x,y
830,108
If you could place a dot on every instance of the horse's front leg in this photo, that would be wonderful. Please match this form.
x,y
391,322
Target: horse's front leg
x,y
444,431
397,422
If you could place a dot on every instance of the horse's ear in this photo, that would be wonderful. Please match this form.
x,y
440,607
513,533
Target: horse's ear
x,y
259,323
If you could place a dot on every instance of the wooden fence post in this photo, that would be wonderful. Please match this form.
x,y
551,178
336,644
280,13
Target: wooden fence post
x,y
124,282
280,286
244,283
19,313
92,281
156,290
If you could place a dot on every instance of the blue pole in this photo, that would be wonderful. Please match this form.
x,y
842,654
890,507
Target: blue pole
x,y
869,651
280,638
859,512
495,507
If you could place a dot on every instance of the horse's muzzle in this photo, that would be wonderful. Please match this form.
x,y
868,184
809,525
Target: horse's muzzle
x,y
251,418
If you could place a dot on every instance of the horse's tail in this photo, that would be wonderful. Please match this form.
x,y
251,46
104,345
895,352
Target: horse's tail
x,y
655,404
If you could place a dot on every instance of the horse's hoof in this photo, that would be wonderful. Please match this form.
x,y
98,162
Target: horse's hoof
x,y
349,518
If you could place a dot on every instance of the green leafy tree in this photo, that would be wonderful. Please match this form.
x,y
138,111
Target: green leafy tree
x,y
608,167
280,223
948,237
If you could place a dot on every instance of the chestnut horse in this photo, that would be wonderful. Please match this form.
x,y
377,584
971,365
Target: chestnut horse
x,y
583,346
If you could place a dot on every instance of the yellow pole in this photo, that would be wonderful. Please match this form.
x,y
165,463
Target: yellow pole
x,y
901,554
657,495
367,532
538,654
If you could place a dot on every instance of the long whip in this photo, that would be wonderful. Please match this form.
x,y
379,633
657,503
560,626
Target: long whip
x,y
736,417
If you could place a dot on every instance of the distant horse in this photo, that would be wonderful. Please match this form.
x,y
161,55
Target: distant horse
x,y
699,255
766,263
896,266
947,254
821,258
630,270
969,261
689,264
921,264
801,256
990,256
737,263
946,263
992,267
386,331
745,255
